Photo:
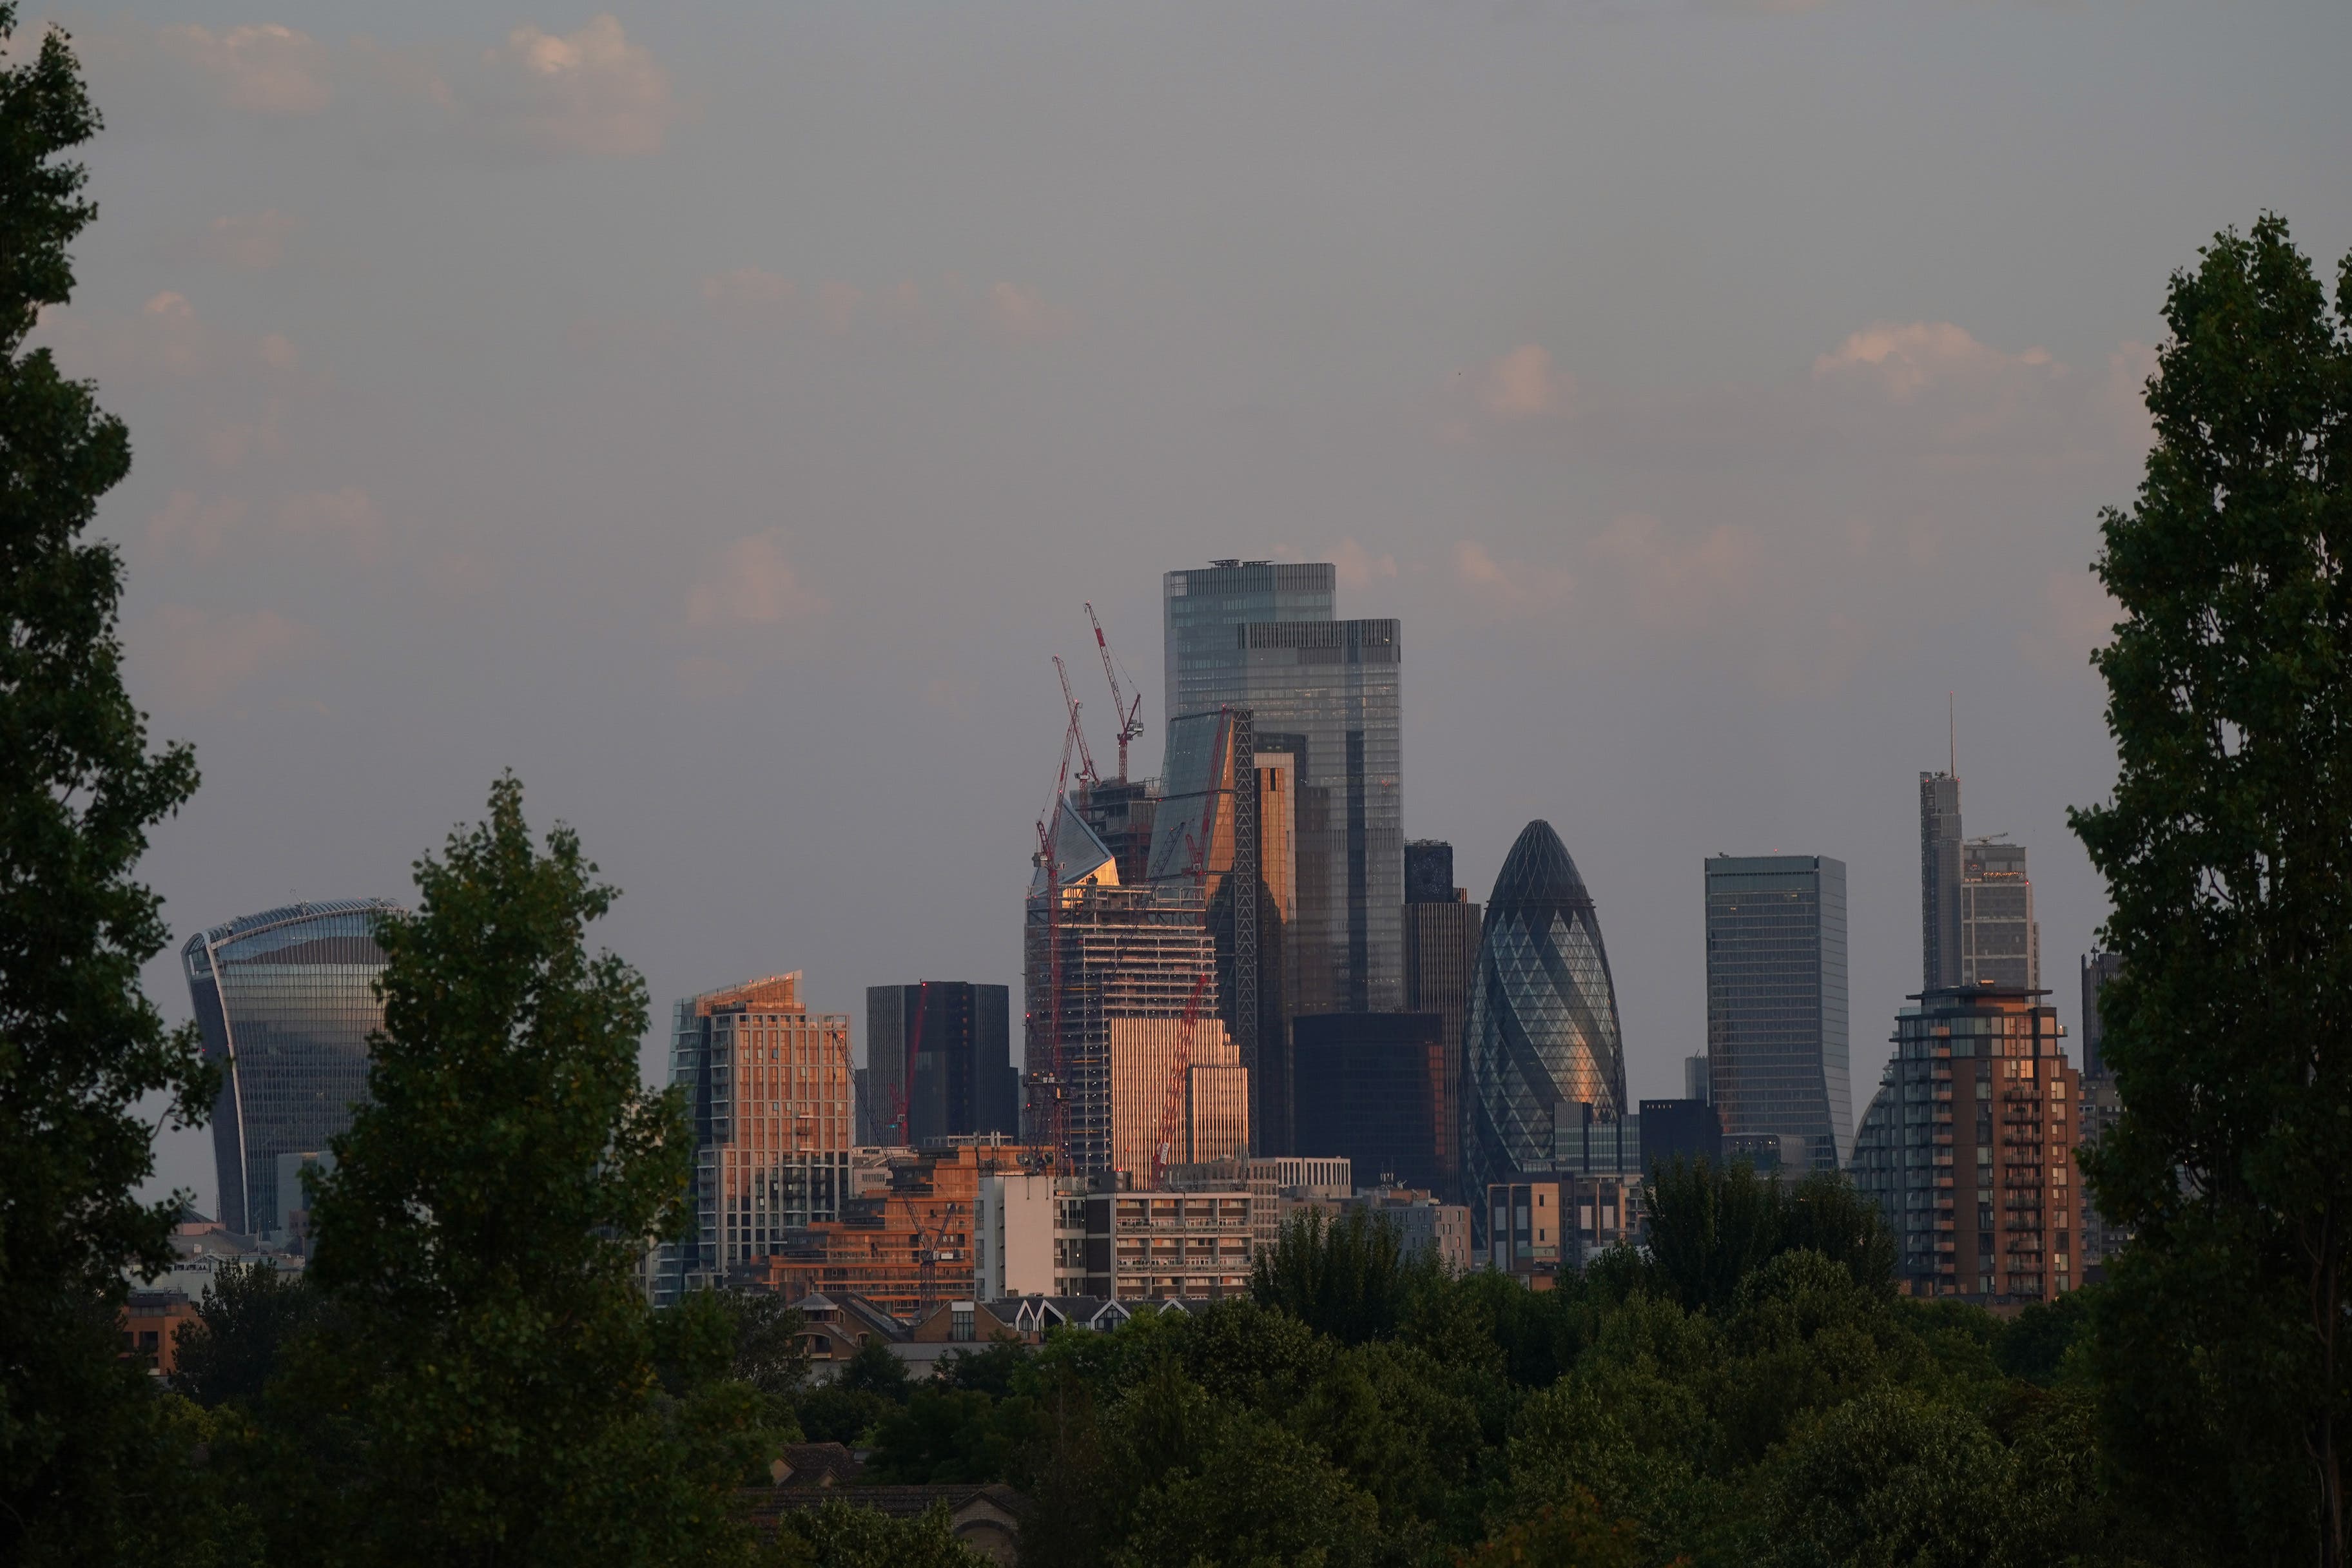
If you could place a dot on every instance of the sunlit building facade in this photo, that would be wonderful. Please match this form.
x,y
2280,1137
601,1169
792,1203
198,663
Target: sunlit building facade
x,y
1542,1048
286,1001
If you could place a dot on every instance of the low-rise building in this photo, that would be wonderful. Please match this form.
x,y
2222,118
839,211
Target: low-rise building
x,y
1526,1231
150,1326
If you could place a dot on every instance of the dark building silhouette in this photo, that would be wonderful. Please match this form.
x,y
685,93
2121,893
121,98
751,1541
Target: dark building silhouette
x,y
285,1000
956,1037
1370,1090
1428,872
1440,953
1541,1046
2098,969
1685,1130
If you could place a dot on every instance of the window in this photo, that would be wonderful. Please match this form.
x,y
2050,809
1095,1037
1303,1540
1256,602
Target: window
x,y
959,1324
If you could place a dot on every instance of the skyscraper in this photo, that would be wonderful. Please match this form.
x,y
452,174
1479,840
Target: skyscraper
x,y
285,1000
1260,637
1776,1000
768,1094
2000,939
955,1036
1441,954
1939,880
1373,1091
1205,844
2098,969
1542,1050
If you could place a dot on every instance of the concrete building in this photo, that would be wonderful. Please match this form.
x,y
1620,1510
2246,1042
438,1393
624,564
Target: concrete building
x,y
1442,927
1425,1225
939,1062
1776,1000
1969,1148
1527,1232
1685,1129
1940,881
768,1094
2001,942
1372,1089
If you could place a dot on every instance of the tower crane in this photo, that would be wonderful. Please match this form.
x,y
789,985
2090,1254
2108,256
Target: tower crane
x,y
1171,1100
1054,1099
1087,774
902,1093
1130,715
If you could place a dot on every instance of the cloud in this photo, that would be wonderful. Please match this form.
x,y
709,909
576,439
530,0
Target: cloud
x,y
1022,315
253,241
198,527
267,69
1522,384
2076,617
199,656
346,515
750,294
1674,585
1511,592
752,584
1356,567
591,92
1904,360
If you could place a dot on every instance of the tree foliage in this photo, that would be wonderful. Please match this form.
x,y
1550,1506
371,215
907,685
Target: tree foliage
x,y
249,1315
2227,850
1346,1276
1710,1226
79,1044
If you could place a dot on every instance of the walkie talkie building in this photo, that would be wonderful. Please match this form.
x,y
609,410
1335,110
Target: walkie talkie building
x,y
286,1001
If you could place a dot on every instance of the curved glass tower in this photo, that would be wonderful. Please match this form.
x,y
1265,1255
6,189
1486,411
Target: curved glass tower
x,y
285,1000
1541,1048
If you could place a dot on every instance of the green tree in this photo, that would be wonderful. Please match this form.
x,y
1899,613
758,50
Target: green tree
x,y
250,1314
1709,1226
1346,1277
478,1236
79,1045
1252,1495
1561,1535
2227,850
839,1535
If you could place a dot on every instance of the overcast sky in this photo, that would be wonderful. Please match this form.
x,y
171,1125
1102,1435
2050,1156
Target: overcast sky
x,y
718,412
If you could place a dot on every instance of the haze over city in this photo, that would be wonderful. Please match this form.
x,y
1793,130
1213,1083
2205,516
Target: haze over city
x,y
718,415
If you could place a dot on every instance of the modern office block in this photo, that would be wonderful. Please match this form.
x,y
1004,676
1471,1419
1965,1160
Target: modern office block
x,y
2001,942
1541,1042
1429,872
1969,1148
286,1001
1271,1089
1776,1000
1939,880
1152,1063
1441,955
1260,637
770,1095
1685,1129
1371,1088
939,1061
2098,969
1694,1079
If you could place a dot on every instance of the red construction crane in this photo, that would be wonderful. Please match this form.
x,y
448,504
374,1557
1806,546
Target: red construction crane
x,y
1087,774
901,1092
1172,1102
1130,715
930,1251
1053,1091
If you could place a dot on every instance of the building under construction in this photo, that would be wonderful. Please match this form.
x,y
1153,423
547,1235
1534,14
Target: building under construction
x,y
1126,1049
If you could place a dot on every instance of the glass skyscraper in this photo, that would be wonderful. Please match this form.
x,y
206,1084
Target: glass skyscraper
x,y
286,1001
1542,1052
1259,636
1776,1000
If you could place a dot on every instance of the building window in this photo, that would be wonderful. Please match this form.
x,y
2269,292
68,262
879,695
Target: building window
x,y
960,1325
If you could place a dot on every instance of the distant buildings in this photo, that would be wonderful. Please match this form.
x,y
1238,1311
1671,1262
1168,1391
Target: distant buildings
x,y
1072,1237
1542,1048
1372,1090
939,1061
768,1090
2098,969
1776,1000
1976,902
285,1000
1968,1146
1685,1129
1441,954
1940,881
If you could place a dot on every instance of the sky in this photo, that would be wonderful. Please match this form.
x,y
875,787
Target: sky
x,y
718,413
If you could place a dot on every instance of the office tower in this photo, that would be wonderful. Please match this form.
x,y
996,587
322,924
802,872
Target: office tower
x,y
1271,1088
1939,880
1685,1130
285,1000
1541,1042
769,1092
2098,969
1121,812
1211,1105
1695,1079
1776,1000
955,1037
1371,1088
1969,1147
1105,967
1260,637
1440,953
2000,940
1205,845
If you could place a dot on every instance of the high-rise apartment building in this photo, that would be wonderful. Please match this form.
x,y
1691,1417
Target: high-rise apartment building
x,y
770,1093
285,1000
2000,940
1776,1000
1111,972
1259,636
1939,880
1442,927
939,1061
1969,1147
1542,1050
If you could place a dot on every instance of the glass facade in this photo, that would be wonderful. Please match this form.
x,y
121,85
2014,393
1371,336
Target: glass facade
x,y
954,1036
1203,606
1776,1000
1542,1050
286,1001
1371,1091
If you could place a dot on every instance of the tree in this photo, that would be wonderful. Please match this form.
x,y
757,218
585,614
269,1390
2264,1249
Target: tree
x,y
79,1045
250,1314
1710,1226
1573,1535
2227,848
478,1232
1347,1276
838,1534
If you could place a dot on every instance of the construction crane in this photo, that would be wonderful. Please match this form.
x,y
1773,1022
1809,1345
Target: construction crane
x,y
1130,715
903,1090
931,1249
1055,1098
1172,1102
1087,774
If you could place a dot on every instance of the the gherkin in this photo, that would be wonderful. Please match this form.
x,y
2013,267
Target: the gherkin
x,y
1541,1040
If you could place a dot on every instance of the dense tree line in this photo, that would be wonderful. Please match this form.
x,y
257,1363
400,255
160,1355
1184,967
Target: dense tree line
x,y
468,1373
